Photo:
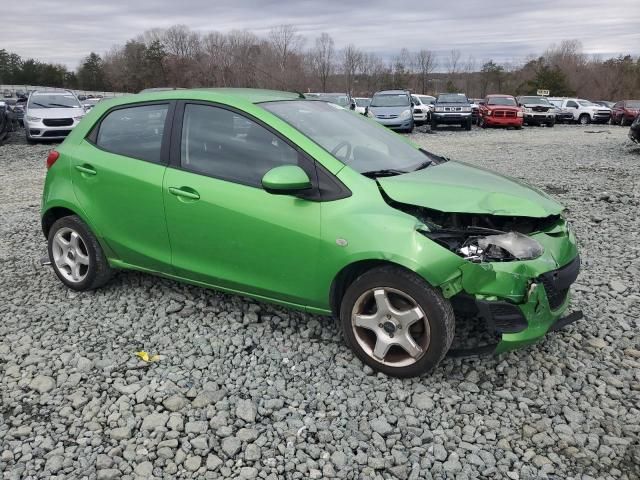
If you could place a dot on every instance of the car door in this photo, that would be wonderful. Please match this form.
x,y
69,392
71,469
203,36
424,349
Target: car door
x,y
225,229
117,174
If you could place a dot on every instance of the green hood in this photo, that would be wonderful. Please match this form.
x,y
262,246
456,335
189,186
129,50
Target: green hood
x,y
459,188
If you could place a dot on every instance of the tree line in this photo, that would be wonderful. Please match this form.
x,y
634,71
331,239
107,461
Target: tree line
x,y
285,60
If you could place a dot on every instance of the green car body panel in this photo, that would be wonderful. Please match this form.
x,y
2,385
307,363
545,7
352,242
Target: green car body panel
x,y
288,250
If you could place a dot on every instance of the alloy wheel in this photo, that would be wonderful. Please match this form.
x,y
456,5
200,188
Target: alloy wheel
x,y
70,255
390,326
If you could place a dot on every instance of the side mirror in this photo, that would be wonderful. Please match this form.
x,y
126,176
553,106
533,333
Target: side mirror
x,y
286,180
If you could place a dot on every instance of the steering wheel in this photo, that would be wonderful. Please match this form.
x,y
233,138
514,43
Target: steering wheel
x,y
339,147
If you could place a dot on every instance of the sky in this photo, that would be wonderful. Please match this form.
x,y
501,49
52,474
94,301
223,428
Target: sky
x,y
505,31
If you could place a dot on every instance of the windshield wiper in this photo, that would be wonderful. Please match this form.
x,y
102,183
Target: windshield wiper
x,y
423,165
61,105
385,172
40,105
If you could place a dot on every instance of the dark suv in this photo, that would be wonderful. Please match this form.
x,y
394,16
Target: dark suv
x,y
451,109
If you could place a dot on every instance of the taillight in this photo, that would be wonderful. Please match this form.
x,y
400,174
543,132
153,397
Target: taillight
x,y
51,159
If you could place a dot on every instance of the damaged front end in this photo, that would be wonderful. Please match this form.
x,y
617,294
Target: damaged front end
x,y
516,273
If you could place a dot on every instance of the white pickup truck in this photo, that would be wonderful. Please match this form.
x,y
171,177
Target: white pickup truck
x,y
585,112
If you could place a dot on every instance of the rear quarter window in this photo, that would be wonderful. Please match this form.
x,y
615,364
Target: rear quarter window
x,y
134,132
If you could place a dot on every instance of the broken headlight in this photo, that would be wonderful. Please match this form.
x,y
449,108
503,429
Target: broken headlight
x,y
501,247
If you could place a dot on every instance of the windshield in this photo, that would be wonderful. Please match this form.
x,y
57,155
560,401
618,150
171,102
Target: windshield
x,y
534,100
341,100
390,100
351,138
507,101
53,100
363,102
632,104
452,98
426,100
586,103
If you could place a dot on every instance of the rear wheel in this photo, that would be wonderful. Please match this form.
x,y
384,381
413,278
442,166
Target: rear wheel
x,y
76,256
584,119
396,323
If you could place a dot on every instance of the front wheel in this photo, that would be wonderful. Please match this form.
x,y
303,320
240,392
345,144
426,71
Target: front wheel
x,y
396,323
481,122
584,119
467,125
551,124
434,124
76,256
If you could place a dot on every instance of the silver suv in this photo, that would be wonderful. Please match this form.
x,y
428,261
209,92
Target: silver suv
x,y
51,115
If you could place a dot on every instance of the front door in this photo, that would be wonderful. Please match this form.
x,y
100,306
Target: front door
x,y
224,228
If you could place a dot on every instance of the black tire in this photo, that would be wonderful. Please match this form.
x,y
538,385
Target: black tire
x,y
434,124
481,122
584,119
437,310
467,125
623,122
551,124
519,127
98,271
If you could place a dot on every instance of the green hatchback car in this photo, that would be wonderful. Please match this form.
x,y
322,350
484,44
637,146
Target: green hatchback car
x,y
306,204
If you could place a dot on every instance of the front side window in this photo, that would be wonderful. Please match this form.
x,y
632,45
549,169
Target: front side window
x,y
134,132
572,104
220,143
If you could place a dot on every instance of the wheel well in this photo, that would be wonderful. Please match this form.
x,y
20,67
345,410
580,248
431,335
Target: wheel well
x,y
347,275
51,216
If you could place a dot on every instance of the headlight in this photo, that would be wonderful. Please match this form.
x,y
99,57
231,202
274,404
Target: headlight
x,y
527,109
500,248
466,109
520,114
488,114
405,114
33,119
439,109
77,119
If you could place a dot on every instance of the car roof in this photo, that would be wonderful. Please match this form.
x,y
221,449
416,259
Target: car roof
x,y
499,95
391,92
252,95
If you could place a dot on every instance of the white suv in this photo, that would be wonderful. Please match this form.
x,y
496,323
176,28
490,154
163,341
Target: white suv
x,y
51,115
585,112
422,108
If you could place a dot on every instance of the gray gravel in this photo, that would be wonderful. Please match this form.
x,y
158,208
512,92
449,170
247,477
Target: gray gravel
x,y
248,390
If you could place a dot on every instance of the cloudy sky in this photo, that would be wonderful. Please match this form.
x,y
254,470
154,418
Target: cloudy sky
x,y
506,31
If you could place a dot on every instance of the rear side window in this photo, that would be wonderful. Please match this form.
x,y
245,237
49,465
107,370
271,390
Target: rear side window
x,y
134,132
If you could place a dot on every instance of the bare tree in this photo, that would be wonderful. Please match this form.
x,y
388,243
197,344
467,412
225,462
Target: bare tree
x,y
425,63
351,62
285,41
322,59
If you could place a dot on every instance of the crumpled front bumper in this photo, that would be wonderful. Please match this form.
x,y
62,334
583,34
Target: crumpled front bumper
x,y
521,301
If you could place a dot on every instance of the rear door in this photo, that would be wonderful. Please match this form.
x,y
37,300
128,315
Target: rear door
x,y
117,174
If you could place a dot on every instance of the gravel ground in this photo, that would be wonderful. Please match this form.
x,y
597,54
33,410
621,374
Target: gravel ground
x,y
248,390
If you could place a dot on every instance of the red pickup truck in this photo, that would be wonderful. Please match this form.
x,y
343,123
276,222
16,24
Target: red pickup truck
x,y
500,111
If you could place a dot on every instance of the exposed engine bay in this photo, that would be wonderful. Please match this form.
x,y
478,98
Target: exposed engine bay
x,y
481,237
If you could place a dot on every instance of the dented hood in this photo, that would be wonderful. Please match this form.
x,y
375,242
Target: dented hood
x,y
460,188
